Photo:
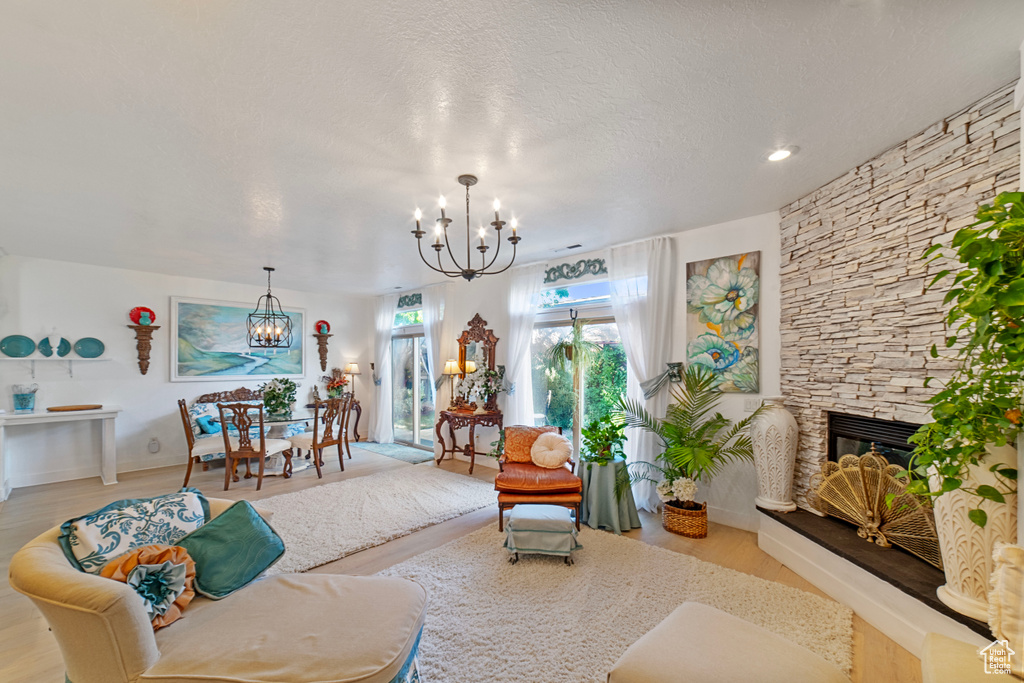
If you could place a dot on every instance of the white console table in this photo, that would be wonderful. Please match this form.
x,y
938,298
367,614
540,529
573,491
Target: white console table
x,y
108,460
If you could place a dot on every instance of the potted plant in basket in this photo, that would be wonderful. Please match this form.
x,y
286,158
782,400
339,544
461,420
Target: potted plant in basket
x,y
279,396
695,442
964,459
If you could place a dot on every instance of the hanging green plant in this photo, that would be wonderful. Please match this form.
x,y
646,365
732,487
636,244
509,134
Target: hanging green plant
x,y
980,404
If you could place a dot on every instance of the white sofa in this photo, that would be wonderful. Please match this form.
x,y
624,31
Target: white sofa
x,y
299,628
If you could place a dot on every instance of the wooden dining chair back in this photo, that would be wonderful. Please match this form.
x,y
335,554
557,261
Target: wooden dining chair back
x,y
240,416
329,421
190,438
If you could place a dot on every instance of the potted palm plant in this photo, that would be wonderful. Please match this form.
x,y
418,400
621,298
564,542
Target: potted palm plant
x,y
696,442
964,459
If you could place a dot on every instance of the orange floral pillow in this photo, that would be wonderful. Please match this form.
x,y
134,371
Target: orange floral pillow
x,y
162,575
519,440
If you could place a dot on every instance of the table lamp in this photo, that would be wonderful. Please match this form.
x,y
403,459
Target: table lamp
x,y
352,369
451,368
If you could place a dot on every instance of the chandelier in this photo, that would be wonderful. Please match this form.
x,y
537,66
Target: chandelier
x,y
268,326
442,243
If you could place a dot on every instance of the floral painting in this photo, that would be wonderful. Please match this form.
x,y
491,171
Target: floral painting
x,y
721,324
210,343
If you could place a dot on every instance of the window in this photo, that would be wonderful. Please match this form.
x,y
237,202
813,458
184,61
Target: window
x,y
412,393
597,384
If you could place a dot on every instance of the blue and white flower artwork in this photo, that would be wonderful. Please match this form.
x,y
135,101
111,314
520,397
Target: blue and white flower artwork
x,y
721,324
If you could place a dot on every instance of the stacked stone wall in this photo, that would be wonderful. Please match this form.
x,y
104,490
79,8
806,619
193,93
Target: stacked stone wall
x,y
857,322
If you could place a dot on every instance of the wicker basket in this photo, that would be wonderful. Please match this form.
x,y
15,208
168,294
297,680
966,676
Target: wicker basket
x,y
689,523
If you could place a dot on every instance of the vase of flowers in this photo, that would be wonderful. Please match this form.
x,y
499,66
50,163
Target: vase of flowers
x,y
489,385
679,513
279,396
336,382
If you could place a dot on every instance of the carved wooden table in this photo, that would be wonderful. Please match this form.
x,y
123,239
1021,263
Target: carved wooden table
x,y
458,419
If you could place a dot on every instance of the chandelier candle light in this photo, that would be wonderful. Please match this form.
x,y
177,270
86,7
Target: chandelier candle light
x,y
441,241
268,326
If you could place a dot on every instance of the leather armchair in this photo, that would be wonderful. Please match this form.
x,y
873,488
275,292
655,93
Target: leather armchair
x,y
520,482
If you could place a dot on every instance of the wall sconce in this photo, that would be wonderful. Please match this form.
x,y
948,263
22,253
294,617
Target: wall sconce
x,y
675,372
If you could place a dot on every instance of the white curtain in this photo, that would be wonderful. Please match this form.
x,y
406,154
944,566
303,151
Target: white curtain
x,y
527,282
437,335
382,429
642,293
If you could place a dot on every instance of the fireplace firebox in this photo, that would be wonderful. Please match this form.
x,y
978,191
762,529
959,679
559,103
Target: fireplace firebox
x,y
855,434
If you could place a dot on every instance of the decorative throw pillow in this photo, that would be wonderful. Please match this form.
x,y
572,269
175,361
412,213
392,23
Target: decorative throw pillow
x,y
551,450
91,541
1006,599
208,424
162,576
232,550
519,440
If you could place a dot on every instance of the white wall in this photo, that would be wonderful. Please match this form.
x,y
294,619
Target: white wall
x,y
92,301
730,496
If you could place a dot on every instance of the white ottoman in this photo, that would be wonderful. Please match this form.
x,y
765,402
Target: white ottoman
x,y
700,644
544,529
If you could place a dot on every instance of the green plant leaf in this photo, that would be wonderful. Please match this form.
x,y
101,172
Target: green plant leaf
x,y
990,493
978,516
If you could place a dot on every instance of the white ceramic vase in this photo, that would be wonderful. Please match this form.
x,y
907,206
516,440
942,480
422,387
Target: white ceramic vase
x,y
773,435
966,547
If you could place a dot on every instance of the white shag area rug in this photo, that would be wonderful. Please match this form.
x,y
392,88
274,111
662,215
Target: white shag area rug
x,y
323,523
541,620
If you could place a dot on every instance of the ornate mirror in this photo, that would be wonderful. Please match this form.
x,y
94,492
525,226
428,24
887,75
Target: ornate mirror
x,y
477,344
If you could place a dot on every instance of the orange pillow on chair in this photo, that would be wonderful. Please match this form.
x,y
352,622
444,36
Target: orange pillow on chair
x,y
519,440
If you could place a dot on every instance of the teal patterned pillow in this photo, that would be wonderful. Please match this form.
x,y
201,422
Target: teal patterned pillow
x,y
232,550
91,541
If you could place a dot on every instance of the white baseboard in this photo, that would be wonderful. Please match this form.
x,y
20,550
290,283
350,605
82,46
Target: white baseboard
x,y
899,616
732,518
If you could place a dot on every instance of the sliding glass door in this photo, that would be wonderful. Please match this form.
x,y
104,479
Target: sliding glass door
x,y
412,406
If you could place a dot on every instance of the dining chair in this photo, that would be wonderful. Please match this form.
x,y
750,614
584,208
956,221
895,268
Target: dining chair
x,y
200,451
240,416
330,420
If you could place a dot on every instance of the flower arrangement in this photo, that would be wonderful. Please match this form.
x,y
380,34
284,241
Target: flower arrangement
x,y
679,490
483,383
336,382
279,395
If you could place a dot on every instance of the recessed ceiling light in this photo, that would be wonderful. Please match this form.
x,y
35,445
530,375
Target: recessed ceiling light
x,y
782,153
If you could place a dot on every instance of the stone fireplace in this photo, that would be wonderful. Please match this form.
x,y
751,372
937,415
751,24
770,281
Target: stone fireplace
x,y
857,323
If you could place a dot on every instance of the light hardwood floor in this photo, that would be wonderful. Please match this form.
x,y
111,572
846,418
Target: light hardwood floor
x,y
29,653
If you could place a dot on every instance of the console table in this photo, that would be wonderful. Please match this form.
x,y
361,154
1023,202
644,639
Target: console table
x,y
106,414
457,419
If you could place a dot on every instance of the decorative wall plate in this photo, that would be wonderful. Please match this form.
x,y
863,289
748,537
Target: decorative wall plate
x,y
63,349
89,347
17,346
137,312
321,323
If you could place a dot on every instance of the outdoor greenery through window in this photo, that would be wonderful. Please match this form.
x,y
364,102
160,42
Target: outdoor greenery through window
x,y
406,318
601,380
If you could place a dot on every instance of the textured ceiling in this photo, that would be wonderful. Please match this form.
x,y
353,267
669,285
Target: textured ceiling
x,y
212,137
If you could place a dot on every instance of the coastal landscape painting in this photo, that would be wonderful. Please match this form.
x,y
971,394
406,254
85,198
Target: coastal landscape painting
x,y
209,340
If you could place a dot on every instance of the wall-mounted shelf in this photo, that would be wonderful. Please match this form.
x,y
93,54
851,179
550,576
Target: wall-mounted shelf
x,y
69,361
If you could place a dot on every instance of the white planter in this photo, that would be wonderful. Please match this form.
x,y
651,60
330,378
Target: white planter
x,y
966,547
773,434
